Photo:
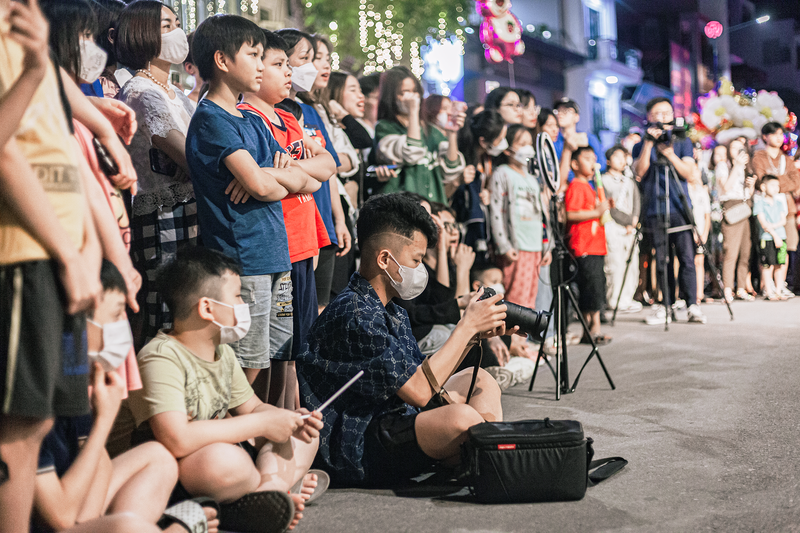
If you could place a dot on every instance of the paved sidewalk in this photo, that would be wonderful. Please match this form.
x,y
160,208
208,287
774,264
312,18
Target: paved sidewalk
x,y
707,415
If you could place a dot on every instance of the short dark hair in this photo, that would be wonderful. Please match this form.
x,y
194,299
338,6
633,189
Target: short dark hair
x,y
290,106
658,100
614,149
223,33
769,177
391,80
194,273
292,36
568,103
579,151
138,35
494,98
370,83
544,115
415,197
525,97
394,213
771,127
111,279
107,12
477,272
189,39
273,41
437,208
68,20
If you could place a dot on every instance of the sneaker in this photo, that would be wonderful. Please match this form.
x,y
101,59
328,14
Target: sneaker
x,y
635,307
503,376
522,368
696,315
658,317
678,305
786,293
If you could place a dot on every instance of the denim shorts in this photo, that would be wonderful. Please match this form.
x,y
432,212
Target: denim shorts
x,y
270,300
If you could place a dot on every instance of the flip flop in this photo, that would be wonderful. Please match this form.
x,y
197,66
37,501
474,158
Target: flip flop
x,y
323,482
269,511
599,340
189,514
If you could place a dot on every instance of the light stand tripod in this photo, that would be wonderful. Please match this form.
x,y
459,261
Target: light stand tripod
x,y
562,294
670,175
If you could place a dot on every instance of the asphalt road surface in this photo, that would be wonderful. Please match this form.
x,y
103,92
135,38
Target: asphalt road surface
x,y
707,415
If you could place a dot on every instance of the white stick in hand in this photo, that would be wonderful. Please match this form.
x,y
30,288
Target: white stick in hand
x,y
336,394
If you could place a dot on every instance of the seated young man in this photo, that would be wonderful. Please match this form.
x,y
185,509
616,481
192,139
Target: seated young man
x,y
380,432
191,381
76,482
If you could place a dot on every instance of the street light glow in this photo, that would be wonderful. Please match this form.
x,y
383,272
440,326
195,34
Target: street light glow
x,y
611,80
762,20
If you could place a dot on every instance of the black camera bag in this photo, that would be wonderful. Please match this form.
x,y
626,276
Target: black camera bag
x,y
532,461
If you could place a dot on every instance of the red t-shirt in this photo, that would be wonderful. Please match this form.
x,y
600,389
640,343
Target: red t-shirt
x,y
587,237
304,225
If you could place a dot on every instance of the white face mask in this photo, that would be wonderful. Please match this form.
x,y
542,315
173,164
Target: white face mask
x,y
229,334
117,342
524,154
174,47
498,288
93,61
494,151
303,77
412,280
443,119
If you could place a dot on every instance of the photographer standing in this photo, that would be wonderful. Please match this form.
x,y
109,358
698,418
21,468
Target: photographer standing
x,y
661,152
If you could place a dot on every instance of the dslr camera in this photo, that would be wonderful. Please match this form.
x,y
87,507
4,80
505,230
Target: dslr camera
x,y
530,321
669,130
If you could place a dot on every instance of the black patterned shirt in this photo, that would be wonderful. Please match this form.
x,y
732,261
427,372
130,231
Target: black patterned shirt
x,y
355,332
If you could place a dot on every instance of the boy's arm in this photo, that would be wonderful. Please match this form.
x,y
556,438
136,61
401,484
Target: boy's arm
x,y
260,183
25,196
60,501
320,165
88,115
582,215
342,233
29,29
182,437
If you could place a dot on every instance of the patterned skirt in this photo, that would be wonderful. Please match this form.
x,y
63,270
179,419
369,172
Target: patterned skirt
x,y
157,238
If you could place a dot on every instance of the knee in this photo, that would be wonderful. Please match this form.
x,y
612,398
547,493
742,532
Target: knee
x,y
217,467
462,417
162,461
486,384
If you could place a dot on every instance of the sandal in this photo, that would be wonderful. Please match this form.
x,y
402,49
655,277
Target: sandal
x,y
189,514
323,482
599,340
269,511
742,294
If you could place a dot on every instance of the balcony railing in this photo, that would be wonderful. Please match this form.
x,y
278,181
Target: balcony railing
x,y
609,49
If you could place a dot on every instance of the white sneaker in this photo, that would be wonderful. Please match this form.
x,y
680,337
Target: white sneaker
x,y
503,376
678,305
658,317
635,307
786,293
696,315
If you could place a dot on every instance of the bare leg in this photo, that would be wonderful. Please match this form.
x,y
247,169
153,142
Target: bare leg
x,y
699,268
780,277
282,465
20,439
94,505
118,523
441,431
221,471
141,481
485,397
259,379
277,383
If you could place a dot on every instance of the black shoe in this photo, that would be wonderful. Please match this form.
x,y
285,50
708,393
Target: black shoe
x,y
258,512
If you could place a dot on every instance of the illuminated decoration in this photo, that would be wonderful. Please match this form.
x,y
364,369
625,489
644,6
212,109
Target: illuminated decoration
x,y
254,9
243,6
444,64
220,6
713,29
384,48
334,61
501,31
726,114
417,64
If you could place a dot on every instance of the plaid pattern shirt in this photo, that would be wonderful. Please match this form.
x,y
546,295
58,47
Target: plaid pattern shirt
x,y
356,332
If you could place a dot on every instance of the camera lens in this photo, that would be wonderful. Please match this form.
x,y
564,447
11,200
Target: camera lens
x,y
531,322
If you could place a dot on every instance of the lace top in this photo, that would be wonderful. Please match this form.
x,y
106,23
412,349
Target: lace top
x,y
156,114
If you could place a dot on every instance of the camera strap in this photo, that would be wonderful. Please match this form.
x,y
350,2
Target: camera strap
x,y
439,389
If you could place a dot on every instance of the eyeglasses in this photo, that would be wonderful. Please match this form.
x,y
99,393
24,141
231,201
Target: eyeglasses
x,y
517,106
452,227
564,111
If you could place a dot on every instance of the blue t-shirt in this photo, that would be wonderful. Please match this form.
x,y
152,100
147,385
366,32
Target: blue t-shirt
x,y
252,233
356,332
773,213
594,142
315,128
654,182
93,89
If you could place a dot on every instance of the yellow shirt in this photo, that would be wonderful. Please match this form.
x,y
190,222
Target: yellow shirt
x,y
44,138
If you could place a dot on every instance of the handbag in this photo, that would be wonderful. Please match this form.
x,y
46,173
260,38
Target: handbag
x,y
737,213
532,461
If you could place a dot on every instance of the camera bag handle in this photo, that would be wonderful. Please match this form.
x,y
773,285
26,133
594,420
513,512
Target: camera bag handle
x,y
601,469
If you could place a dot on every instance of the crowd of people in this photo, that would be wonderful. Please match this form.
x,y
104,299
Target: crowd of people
x,y
188,274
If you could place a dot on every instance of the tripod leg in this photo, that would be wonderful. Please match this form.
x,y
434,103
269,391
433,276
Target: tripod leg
x,y
625,274
541,355
717,278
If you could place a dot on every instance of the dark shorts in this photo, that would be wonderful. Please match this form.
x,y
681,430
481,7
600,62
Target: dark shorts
x,y
43,363
591,279
768,254
324,273
391,452
305,308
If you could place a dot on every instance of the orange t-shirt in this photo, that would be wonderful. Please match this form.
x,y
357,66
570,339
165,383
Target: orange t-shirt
x,y
587,237
304,225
